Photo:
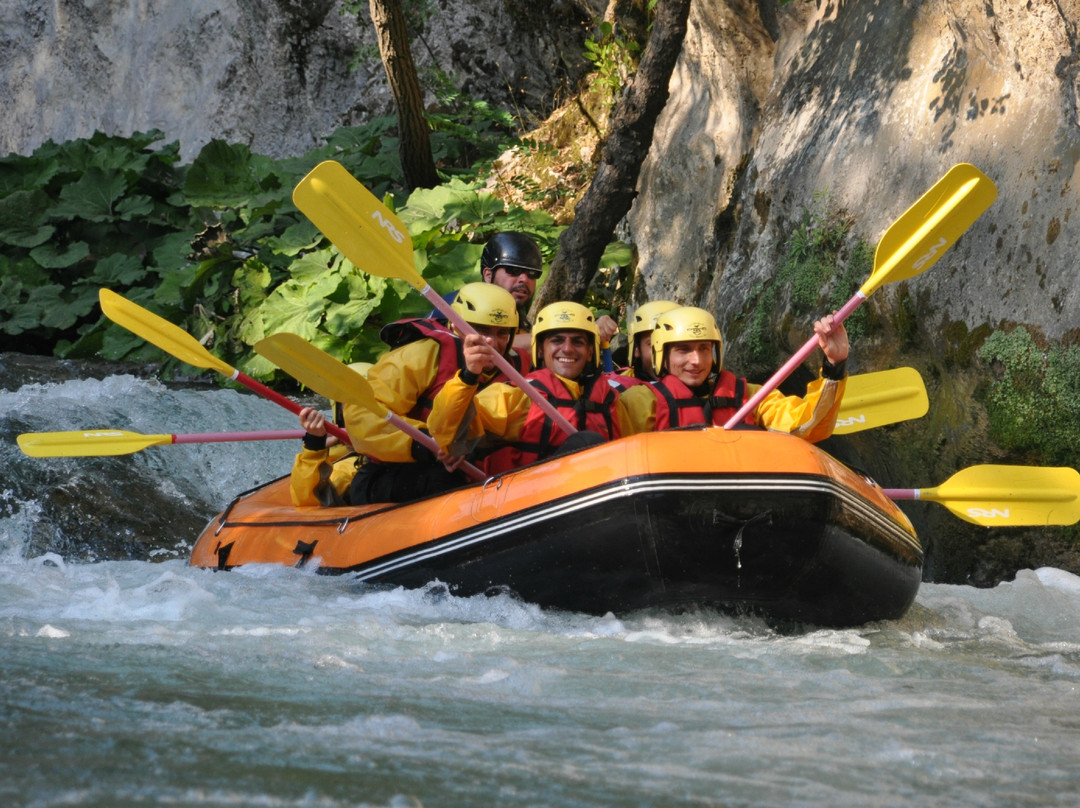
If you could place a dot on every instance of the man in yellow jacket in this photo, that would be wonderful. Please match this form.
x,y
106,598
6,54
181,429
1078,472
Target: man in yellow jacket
x,y
693,388
406,380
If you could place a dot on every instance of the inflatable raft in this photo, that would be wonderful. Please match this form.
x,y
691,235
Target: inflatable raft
x,y
737,520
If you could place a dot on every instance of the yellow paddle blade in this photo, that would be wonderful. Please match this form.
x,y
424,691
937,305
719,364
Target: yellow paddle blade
x,y
877,399
88,443
928,228
996,496
156,330
319,371
357,223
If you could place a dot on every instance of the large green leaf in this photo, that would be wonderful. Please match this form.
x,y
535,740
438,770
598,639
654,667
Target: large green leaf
x,y
251,282
170,290
24,219
313,265
617,253
430,208
53,256
17,316
20,173
172,251
298,237
62,311
117,270
363,296
292,307
223,175
134,207
119,343
93,196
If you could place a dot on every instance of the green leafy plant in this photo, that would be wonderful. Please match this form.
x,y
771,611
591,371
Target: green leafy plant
x,y
613,57
820,271
1034,400
219,248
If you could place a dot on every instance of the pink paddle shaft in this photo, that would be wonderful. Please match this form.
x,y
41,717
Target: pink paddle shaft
x,y
221,437
901,493
287,403
792,363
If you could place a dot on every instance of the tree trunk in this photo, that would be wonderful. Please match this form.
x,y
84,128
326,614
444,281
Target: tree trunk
x,y
417,162
614,187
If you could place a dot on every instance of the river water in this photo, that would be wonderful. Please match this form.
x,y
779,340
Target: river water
x,y
145,682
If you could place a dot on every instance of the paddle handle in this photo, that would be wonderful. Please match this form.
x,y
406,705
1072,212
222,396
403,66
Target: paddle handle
x,y
798,358
501,363
429,443
902,493
287,403
605,354
223,437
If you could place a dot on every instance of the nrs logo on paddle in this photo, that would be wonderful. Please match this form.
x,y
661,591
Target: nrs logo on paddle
x,y
388,226
930,254
988,513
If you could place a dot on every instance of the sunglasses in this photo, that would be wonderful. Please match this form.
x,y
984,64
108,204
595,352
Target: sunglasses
x,y
531,274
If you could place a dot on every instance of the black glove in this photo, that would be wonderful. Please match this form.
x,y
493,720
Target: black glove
x,y
315,443
420,453
834,372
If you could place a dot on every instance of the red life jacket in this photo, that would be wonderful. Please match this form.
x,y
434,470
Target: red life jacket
x,y
595,411
451,357
676,405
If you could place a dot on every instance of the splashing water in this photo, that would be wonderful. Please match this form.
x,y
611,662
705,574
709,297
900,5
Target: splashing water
x,y
132,682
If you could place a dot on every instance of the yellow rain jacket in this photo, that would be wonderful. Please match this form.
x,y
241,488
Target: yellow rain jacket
x,y
501,410
399,380
322,476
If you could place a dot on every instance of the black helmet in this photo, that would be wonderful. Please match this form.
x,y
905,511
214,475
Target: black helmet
x,y
511,249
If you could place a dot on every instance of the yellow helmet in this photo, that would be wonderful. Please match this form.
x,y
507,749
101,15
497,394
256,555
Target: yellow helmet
x,y
564,316
685,324
335,407
645,317
487,304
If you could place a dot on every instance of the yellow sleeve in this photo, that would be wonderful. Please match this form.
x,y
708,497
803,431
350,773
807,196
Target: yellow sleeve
x,y
448,411
314,471
812,416
637,410
397,380
500,411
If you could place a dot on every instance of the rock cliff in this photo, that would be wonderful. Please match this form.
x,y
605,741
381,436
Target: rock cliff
x,y
274,75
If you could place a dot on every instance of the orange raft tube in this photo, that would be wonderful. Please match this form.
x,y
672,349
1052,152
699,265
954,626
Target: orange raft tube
x,y
739,520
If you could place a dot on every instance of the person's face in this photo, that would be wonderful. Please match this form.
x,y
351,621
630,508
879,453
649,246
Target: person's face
x,y
521,283
497,338
690,362
567,352
643,349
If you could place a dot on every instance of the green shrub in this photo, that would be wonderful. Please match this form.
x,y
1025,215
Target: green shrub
x,y
219,248
1034,400
821,273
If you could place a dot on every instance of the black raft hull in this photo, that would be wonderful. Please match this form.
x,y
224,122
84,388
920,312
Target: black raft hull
x,y
672,520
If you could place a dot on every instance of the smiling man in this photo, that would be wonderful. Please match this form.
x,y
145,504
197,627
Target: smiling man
x,y
692,387
566,353
425,355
